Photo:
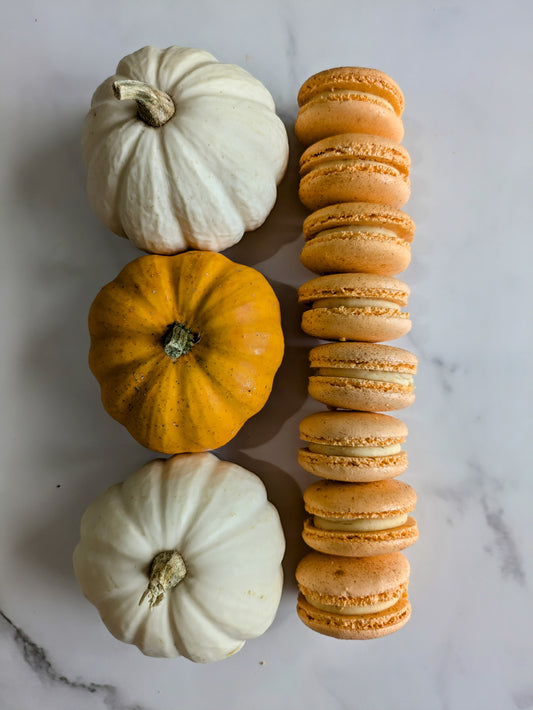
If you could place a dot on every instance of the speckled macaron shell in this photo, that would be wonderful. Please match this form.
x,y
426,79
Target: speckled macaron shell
x,y
357,237
383,502
367,377
353,581
349,100
349,429
354,167
336,321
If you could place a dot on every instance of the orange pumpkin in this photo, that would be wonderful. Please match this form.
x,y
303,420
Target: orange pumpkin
x,y
185,349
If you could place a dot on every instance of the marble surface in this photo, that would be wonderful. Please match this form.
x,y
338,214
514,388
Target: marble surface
x,y
465,69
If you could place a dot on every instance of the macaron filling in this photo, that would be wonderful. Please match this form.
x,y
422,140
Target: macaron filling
x,y
367,451
359,524
355,609
397,378
362,232
350,302
344,94
356,164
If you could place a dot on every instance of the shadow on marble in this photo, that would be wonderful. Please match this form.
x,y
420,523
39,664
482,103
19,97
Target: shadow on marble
x,y
284,493
289,390
284,224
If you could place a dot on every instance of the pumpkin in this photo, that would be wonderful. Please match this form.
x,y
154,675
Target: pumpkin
x,y
183,558
185,348
182,151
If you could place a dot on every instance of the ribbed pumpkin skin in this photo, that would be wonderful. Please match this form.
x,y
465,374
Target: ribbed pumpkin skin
x,y
203,178
201,400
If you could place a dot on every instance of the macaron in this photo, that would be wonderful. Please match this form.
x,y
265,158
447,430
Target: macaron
x,y
357,447
357,237
367,377
359,519
349,100
364,307
353,597
354,167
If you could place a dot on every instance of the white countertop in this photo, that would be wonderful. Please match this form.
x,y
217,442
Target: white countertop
x,y
466,72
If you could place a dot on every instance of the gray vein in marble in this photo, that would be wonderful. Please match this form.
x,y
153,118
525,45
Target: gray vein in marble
x,y
487,490
445,370
511,563
523,700
37,659
291,50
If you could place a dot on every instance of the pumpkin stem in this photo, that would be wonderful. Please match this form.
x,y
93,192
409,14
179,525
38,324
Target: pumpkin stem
x,y
179,340
154,107
166,571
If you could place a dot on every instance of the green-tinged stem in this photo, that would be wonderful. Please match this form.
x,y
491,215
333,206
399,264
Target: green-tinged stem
x,y
166,571
178,340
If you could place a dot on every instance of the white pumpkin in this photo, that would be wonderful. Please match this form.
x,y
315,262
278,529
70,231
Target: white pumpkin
x,y
183,558
182,151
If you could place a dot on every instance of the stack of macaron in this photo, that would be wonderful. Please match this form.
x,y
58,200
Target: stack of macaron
x,y
355,180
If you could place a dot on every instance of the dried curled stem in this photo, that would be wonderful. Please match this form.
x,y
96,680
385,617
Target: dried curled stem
x,y
154,107
166,571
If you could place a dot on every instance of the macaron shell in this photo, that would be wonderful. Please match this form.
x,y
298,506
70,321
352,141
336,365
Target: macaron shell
x,y
354,167
355,469
352,429
331,579
363,356
354,78
360,544
344,112
355,285
357,627
344,183
342,250
362,147
370,325
360,395
340,501
364,214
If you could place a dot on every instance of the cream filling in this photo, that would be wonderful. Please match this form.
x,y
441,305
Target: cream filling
x,y
354,450
398,378
350,302
355,95
359,524
361,230
342,162
354,610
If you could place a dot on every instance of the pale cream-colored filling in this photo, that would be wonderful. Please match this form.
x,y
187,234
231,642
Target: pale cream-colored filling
x,y
350,302
356,95
353,610
361,230
329,450
398,378
366,164
359,524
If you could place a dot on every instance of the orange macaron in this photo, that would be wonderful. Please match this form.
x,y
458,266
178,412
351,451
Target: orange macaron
x,y
357,237
359,519
367,377
354,167
353,597
364,307
357,447
349,100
